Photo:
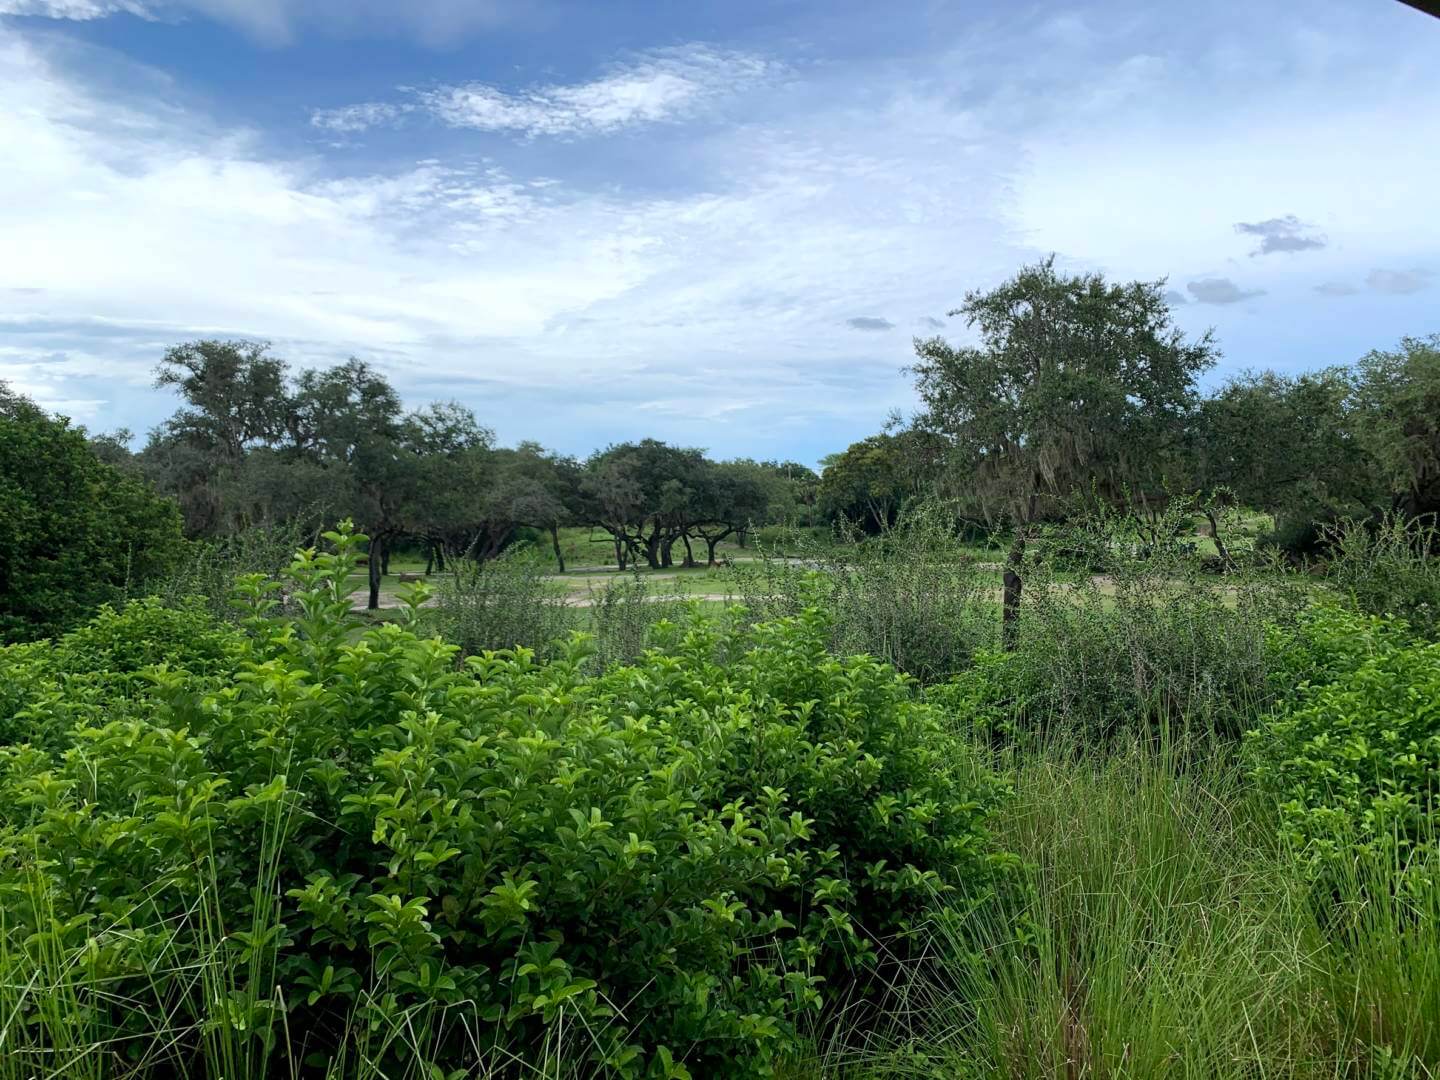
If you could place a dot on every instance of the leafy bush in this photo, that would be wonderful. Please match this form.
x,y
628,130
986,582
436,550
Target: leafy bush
x,y
500,604
75,532
352,846
1354,750
912,596
102,670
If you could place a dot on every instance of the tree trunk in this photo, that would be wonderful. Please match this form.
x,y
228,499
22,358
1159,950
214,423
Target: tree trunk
x,y
555,542
710,550
1010,604
740,536
385,559
689,554
619,554
665,558
652,550
440,556
377,553
1215,535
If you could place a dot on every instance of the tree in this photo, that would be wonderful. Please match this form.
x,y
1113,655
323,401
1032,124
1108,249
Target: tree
x,y
1077,384
1397,413
76,533
732,495
1284,444
869,482
644,495
542,490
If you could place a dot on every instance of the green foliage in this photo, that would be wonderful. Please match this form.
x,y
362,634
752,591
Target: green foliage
x,y
911,596
1389,567
208,570
75,533
871,481
670,869
108,668
1076,383
624,615
1353,753
1152,638
500,604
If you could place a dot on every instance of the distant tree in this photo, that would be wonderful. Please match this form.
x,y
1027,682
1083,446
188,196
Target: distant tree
x,y
235,393
1286,445
542,490
869,482
1397,420
645,495
75,533
1076,385
731,496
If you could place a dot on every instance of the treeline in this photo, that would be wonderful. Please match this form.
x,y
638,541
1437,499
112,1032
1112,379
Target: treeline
x,y
257,443
1082,389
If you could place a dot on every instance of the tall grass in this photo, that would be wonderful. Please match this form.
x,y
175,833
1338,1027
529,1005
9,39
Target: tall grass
x,y
913,596
1161,930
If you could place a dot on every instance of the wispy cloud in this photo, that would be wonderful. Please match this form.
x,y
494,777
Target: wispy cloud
x,y
869,322
1286,233
1336,288
1221,291
352,118
1399,282
664,85
78,10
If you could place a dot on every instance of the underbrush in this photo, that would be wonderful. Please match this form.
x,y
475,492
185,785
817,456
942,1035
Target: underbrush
x,y
350,856
913,596
1186,827
1163,929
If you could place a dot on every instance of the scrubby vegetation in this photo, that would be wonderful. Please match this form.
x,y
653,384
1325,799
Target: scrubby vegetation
x,y
1065,732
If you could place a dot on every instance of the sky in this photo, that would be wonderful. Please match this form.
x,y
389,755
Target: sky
x,y
718,222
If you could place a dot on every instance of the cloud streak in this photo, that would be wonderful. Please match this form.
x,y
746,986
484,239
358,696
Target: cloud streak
x,y
1221,291
662,86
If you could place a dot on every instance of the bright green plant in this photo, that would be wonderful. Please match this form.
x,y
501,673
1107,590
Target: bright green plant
x,y
349,844
1354,750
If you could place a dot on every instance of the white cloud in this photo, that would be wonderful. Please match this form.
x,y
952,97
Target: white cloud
x,y
79,10
664,85
352,118
278,22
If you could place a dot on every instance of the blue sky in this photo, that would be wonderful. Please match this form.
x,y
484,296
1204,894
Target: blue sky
x,y
719,223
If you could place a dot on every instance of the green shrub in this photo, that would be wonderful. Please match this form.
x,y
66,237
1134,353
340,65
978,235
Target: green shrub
x,y
75,533
100,670
1153,639
913,596
1388,567
624,614
209,569
500,604
353,846
1353,752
